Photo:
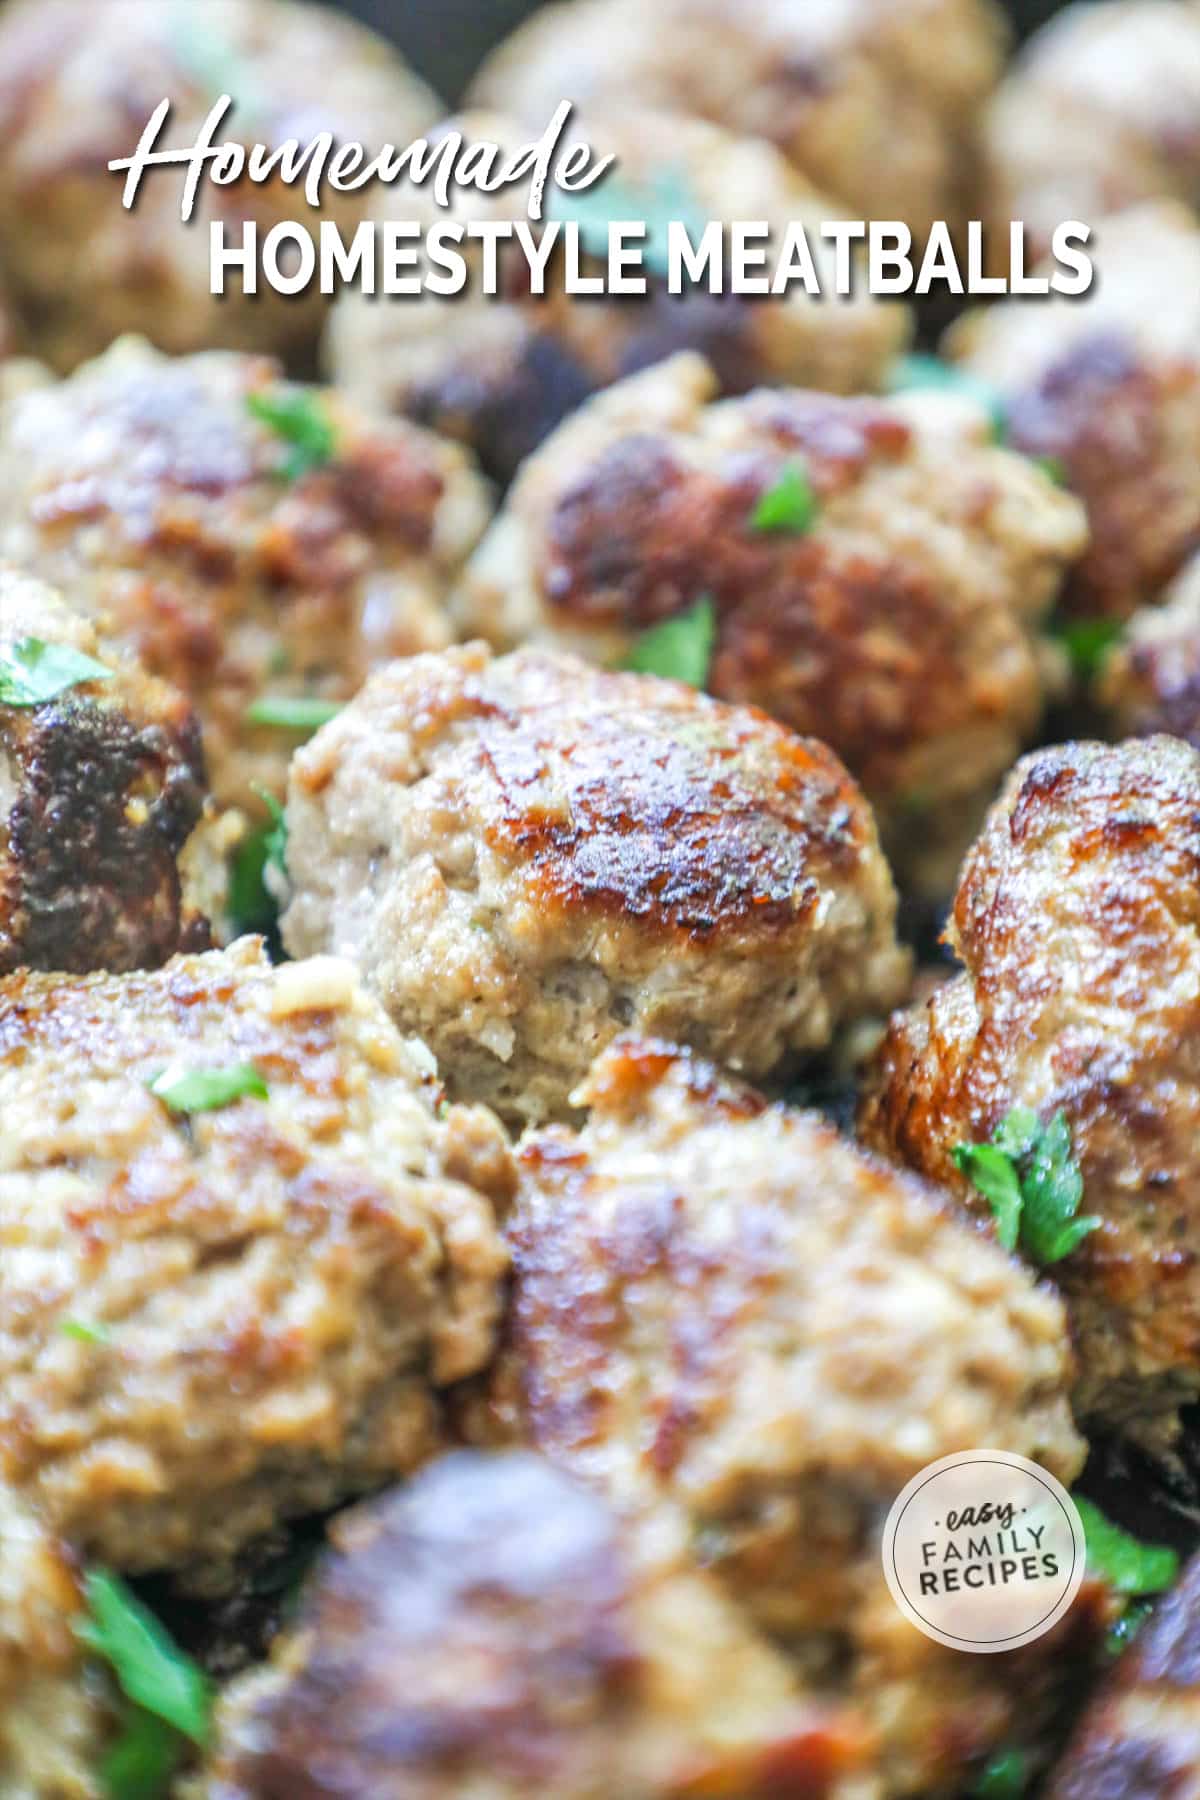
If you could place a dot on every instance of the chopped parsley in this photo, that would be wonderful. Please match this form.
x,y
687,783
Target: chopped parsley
x,y
1034,1187
83,1333
1122,1631
1128,1565
292,712
1004,1777
142,1760
299,419
32,672
911,374
252,905
789,506
151,1670
1053,468
1087,642
207,1090
663,196
680,648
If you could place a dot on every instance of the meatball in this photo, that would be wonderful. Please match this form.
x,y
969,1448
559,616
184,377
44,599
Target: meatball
x,y
102,849
1109,388
253,543
501,373
848,91
726,1308
1097,113
522,855
80,83
53,1723
1140,1739
494,1628
897,620
214,1316
1076,924
1150,681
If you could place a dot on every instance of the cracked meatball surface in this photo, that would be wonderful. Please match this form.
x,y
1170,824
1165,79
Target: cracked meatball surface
x,y
79,83
275,1290
900,626
524,854
847,89
1076,921
103,852
153,492
1108,386
494,1629
723,1307
501,373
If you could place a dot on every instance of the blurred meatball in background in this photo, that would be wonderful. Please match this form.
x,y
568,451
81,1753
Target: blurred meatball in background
x,y
501,372
525,855
1076,924
258,544
1150,680
79,84
104,860
877,574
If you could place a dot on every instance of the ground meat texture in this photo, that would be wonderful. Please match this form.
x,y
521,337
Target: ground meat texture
x,y
522,855
1097,113
725,1307
273,1293
1108,386
1075,921
101,799
496,1629
501,373
1150,680
1140,1739
901,627
848,91
149,491
79,84
54,1719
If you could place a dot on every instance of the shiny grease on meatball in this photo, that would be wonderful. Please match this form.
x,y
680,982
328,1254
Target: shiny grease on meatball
x,y
525,854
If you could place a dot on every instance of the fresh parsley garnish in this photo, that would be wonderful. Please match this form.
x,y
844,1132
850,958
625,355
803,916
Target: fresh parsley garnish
x,y
1122,1631
1087,642
145,1755
1004,1777
83,1333
1031,1182
207,1090
788,506
1053,468
299,419
292,712
915,373
252,905
680,648
1128,1565
150,1668
660,198
32,672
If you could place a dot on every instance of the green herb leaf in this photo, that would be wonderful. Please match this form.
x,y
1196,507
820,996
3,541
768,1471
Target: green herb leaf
x,y
32,672
141,1762
207,1090
1004,1778
299,419
662,197
913,374
1087,642
1128,1565
1122,1631
1054,468
150,1668
83,1333
292,712
1032,1183
680,648
789,506
252,905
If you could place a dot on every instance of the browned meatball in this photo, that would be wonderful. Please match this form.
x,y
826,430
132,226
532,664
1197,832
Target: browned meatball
x,y
79,84
263,1299
898,622
493,1629
501,373
1140,1739
239,563
1150,680
523,855
1108,386
725,1307
1076,922
851,90
101,794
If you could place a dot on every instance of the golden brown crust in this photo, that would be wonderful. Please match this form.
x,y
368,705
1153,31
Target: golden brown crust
x,y
1075,920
